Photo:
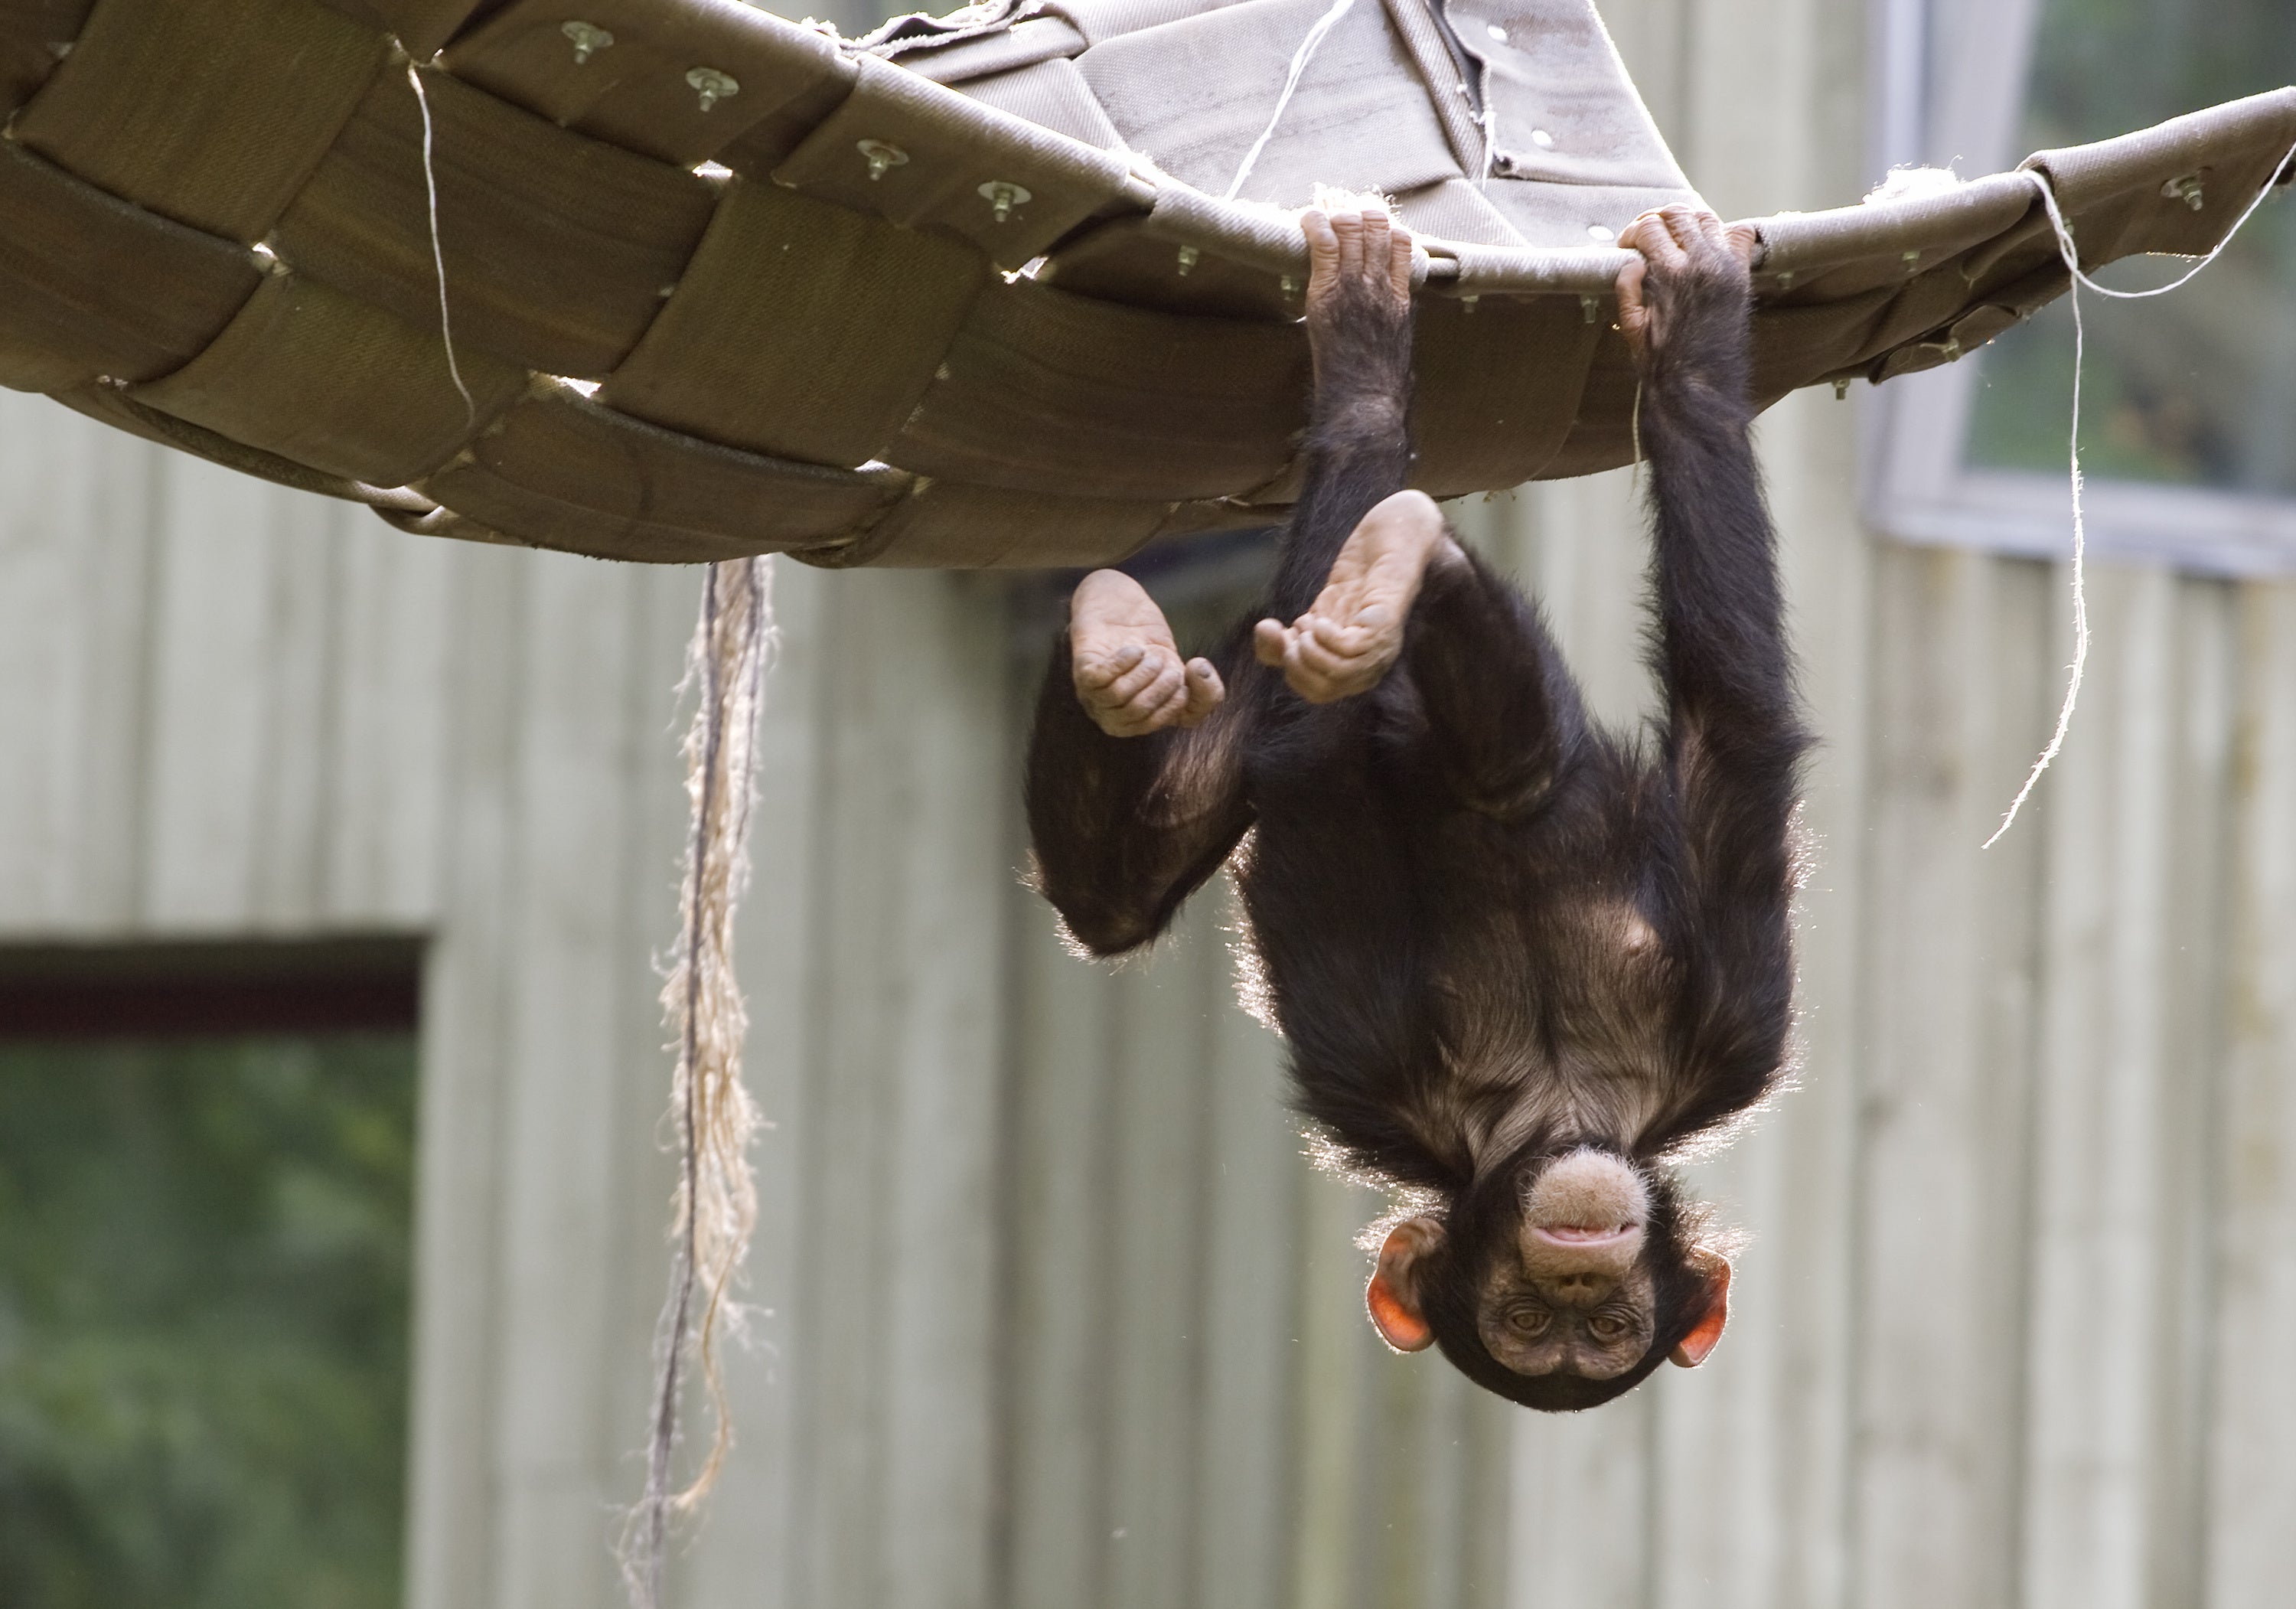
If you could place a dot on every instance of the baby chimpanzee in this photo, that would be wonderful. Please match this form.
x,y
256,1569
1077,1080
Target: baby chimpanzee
x,y
1520,961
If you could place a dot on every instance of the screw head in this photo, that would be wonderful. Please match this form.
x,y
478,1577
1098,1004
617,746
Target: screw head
x,y
588,39
1003,195
2188,190
881,158
712,85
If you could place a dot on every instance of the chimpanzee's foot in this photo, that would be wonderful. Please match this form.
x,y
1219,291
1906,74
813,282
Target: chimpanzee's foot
x,y
1128,670
1347,639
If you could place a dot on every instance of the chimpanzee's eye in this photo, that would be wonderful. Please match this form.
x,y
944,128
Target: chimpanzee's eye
x,y
1607,1326
1528,1320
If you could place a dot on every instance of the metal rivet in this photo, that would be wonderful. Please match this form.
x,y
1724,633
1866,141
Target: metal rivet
x,y
1003,195
1912,259
1597,232
1589,307
2187,190
712,85
1785,280
589,38
1467,304
1841,390
881,158
1288,286
1188,258
1542,139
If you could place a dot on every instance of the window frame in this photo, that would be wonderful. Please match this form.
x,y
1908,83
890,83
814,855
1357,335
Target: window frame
x,y
1949,81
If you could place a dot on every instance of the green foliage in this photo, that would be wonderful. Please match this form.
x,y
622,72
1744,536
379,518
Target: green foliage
x,y
203,1317
2196,387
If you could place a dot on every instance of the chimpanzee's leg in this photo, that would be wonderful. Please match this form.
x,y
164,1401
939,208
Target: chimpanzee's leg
x,y
1504,713
1370,572
1135,782
1359,446
1125,828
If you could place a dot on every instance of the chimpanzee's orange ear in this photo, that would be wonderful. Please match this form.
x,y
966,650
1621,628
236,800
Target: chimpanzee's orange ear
x,y
1692,1349
1393,1294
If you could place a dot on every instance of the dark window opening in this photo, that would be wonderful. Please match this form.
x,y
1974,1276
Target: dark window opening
x,y
206,1186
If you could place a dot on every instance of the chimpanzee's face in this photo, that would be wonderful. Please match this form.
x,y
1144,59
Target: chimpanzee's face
x,y
1576,1296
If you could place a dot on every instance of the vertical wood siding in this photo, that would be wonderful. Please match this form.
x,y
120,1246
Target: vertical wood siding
x,y
1048,1311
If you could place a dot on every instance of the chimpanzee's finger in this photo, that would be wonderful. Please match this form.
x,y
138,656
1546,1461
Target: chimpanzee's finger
x,y
1206,694
1166,709
1378,230
1307,682
1135,675
1634,312
1350,227
1096,670
1743,239
1268,641
1169,690
1710,241
1662,240
1322,244
1342,641
1399,260
1320,659
1151,665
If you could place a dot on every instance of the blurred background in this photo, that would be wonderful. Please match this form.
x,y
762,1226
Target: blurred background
x,y
335,863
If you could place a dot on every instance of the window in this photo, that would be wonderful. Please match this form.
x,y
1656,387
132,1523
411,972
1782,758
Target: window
x,y
2188,432
206,1161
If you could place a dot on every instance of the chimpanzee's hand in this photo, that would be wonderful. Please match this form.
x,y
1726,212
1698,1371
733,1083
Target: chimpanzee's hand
x,y
1127,668
1691,278
1359,318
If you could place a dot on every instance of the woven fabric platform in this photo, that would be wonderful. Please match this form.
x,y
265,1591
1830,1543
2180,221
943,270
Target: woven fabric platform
x,y
963,294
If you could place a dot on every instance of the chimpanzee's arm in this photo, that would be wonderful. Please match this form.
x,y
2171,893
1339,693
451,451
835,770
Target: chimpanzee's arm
x,y
1357,449
1735,735
1125,828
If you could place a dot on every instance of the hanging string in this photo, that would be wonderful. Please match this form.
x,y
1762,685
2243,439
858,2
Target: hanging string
x,y
2071,252
1299,60
437,253
712,1116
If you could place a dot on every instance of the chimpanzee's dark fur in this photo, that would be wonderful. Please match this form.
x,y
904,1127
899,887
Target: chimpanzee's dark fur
x,y
1491,929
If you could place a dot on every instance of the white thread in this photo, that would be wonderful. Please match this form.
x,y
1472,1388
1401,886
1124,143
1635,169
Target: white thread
x,y
437,253
2071,252
1299,60
2080,595
1489,124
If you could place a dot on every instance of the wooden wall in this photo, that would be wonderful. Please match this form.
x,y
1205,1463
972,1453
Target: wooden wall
x,y
1051,1312
1049,1309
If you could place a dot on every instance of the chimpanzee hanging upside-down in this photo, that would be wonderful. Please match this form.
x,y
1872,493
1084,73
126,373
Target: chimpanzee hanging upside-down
x,y
1520,961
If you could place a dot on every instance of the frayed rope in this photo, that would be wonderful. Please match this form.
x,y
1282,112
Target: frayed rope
x,y
2071,252
714,1120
